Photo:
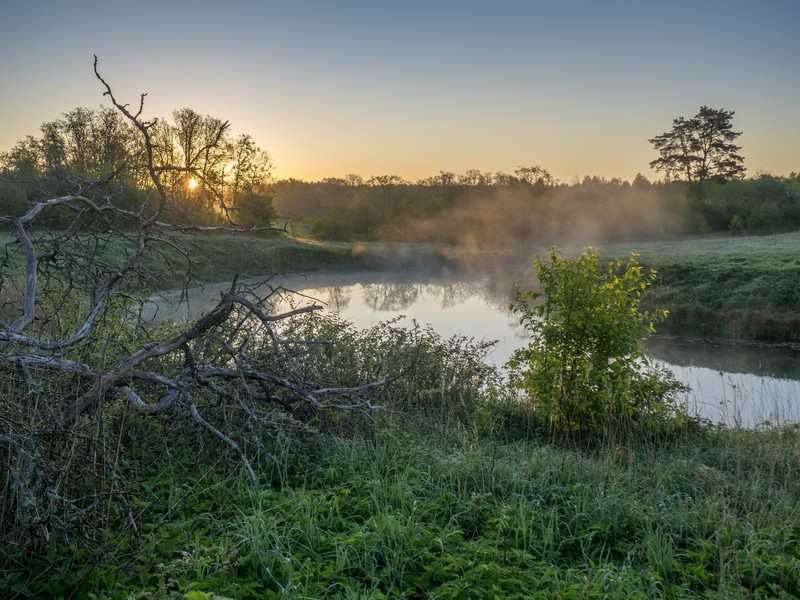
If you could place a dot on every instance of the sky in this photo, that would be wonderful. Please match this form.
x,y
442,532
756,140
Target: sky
x,y
412,88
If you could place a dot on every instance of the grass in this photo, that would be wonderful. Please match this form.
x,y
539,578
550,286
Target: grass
x,y
444,512
453,499
725,286
719,285
216,258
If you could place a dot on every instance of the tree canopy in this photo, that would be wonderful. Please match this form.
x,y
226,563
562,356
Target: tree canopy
x,y
214,176
700,149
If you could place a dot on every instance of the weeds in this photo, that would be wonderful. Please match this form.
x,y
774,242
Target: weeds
x,y
405,517
459,493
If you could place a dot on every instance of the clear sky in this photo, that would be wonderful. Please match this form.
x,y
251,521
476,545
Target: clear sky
x,y
410,88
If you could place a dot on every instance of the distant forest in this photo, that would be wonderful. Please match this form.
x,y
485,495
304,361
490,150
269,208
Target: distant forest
x,y
502,209
226,179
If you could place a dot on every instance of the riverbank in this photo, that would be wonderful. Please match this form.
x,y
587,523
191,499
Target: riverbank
x,y
726,286
719,286
715,286
456,489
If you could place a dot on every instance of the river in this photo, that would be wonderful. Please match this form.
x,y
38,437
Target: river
x,y
736,384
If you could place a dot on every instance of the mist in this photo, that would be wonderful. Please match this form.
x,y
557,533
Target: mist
x,y
489,217
589,213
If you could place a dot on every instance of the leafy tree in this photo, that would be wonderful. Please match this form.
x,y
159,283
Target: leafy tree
x,y
12,199
77,355
535,176
255,210
210,177
247,183
475,177
385,180
700,149
583,368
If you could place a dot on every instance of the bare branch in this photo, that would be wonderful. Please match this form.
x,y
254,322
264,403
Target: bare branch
x,y
77,343
227,440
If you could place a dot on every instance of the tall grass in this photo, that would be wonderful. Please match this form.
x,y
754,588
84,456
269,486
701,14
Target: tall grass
x,y
459,493
459,514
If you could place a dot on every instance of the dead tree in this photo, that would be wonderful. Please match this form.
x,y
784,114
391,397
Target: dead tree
x,y
74,345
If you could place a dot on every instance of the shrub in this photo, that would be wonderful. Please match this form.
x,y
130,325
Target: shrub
x,y
12,200
583,368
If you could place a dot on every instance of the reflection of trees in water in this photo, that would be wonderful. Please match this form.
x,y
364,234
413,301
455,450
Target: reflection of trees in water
x,y
453,293
338,296
335,297
392,297
763,360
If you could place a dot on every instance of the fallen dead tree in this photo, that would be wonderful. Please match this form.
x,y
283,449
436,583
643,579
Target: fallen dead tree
x,y
78,362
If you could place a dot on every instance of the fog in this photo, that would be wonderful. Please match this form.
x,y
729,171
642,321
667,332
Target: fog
x,y
563,216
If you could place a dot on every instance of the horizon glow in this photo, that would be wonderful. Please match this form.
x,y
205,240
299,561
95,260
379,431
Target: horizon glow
x,y
574,87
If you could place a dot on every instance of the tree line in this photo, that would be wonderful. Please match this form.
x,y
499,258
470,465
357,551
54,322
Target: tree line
x,y
704,190
213,176
219,178
591,209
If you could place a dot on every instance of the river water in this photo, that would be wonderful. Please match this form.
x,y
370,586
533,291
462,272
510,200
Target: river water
x,y
737,384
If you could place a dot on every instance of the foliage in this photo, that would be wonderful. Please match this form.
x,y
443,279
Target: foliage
x,y
765,204
78,358
449,515
583,368
255,210
45,469
12,199
700,149
229,173
506,215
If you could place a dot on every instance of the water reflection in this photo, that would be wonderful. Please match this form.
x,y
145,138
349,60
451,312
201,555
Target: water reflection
x,y
740,399
769,360
744,385
737,384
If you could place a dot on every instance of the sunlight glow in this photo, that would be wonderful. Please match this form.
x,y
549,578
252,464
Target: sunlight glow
x,y
192,184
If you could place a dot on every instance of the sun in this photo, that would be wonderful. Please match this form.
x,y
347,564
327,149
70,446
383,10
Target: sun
x,y
192,183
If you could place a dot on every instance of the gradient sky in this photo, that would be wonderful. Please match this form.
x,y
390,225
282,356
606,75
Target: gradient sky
x,y
413,87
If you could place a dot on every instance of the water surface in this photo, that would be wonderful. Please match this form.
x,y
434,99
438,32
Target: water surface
x,y
738,384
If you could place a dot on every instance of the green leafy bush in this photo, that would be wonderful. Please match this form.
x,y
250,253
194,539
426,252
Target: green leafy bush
x,y
583,367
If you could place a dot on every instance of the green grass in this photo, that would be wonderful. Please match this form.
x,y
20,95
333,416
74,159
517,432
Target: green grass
x,y
719,285
216,258
448,513
456,498
726,286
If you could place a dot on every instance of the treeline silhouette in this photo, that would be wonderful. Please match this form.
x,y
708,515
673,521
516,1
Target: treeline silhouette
x,y
210,176
217,178
506,210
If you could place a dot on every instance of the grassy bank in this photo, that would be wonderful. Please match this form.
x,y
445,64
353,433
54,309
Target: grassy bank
x,y
219,257
216,258
447,512
456,490
725,286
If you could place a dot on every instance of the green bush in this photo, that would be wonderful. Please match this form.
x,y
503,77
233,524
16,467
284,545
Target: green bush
x,y
256,210
12,200
583,368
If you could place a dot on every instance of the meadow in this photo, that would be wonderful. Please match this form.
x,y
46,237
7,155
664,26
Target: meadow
x,y
456,490
728,286
450,511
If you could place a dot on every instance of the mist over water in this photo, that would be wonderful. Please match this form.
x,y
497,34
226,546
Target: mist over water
x,y
493,215
586,214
